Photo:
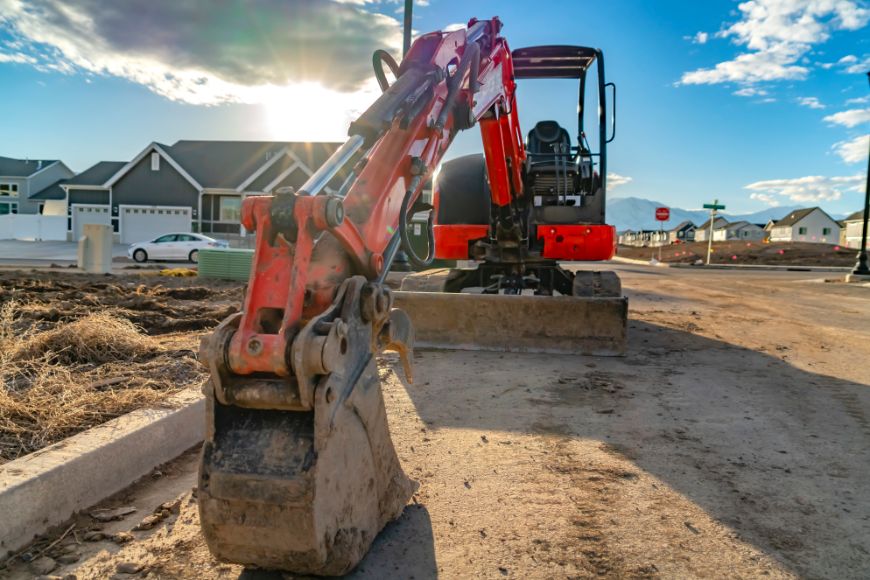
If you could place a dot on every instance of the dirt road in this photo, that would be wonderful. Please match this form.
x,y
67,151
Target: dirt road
x,y
732,441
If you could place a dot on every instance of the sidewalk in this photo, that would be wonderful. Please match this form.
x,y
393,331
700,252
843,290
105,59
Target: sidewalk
x,y
17,251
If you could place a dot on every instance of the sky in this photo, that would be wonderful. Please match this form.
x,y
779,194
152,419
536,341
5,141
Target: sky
x,y
757,104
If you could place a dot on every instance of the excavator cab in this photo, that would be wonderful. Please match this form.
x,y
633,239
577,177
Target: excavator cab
x,y
560,213
564,180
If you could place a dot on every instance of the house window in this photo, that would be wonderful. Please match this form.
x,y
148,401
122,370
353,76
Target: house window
x,y
802,231
9,189
8,207
231,209
155,161
826,231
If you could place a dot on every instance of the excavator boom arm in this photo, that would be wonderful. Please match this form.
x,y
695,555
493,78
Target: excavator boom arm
x,y
308,242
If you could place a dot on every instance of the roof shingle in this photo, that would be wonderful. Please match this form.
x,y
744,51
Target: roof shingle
x,y
795,216
53,191
97,174
10,167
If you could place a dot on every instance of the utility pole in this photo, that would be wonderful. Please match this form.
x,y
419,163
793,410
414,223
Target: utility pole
x,y
861,267
406,39
713,207
400,261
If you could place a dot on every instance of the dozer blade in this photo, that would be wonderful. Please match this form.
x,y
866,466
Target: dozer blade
x,y
588,325
302,490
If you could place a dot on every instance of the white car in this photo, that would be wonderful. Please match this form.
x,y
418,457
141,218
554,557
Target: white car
x,y
180,246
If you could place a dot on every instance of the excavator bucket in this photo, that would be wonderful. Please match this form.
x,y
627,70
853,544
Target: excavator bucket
x,y
305,490
592,322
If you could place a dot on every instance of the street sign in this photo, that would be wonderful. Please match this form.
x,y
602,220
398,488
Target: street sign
x,y
713,206
663,214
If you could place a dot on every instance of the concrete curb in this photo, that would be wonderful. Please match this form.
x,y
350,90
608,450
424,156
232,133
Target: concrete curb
x,y
640,262
793,268
45,488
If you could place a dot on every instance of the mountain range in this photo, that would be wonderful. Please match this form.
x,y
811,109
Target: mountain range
x,y
634,213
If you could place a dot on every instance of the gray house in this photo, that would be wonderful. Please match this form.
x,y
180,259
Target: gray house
x,y
189,186
87,198
684,232
22,179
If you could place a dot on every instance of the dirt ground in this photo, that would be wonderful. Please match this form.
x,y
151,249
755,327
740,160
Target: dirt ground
x,y
71,359
773,254
732,441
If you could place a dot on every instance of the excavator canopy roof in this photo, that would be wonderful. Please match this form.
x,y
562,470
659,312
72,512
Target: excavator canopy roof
x,y
552,62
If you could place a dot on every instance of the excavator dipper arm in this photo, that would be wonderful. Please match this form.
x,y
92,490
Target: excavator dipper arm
x,y
298,469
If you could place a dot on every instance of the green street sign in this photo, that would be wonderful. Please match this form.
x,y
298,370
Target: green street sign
x,y
713,206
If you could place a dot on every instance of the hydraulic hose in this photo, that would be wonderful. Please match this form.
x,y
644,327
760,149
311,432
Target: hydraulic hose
x,y
380,57
415,260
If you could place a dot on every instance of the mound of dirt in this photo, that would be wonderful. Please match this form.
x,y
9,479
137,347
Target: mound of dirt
x,y
768,254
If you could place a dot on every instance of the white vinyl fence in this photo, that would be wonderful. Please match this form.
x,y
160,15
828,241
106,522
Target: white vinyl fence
x,y
33,227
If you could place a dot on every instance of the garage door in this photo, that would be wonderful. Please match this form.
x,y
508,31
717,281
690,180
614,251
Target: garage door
x,y
141,223
88,214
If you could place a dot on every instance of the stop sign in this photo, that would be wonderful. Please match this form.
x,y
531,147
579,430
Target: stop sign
x,y
663,214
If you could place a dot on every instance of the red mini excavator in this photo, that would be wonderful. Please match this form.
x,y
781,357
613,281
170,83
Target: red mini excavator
x,y
298,470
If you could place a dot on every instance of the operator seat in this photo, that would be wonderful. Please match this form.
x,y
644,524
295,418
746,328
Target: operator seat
x,y
552,167
548,138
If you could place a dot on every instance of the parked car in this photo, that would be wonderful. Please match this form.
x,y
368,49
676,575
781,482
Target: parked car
x,y
181,246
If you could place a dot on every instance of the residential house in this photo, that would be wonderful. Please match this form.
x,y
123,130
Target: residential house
x,y
88,199
20,179
702,232
189,186
852,227
683,233
806,225
644,238
739,231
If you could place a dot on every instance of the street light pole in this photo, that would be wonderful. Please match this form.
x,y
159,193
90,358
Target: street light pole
x,y
861,267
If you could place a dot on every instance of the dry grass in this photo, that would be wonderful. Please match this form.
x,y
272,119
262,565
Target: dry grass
x,y
95,339
78,374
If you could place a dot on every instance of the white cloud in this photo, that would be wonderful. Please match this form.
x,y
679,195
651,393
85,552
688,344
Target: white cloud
x,y
172,48
765,198
698,38
776,35
859,67
750,92
859,100
810,189
454,26
850,118
854,150
614,180
849,64
811,102
17,57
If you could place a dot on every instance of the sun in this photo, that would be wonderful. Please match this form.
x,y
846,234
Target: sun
x,y
311,112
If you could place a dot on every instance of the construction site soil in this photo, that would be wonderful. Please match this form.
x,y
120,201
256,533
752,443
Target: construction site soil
x,y
77,350
749,253
731,441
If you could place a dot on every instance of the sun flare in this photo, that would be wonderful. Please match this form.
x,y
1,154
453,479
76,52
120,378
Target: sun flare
x,y
310,112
